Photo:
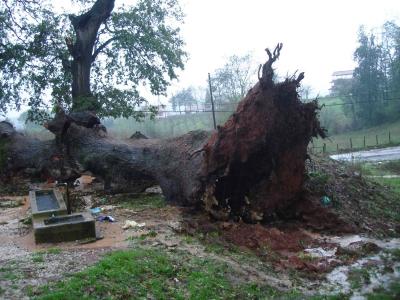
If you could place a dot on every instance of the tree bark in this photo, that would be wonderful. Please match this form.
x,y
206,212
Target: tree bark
x,y
26,154
86,27
251,168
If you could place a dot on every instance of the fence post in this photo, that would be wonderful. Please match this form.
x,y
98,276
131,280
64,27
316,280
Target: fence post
x,y
364,142
337,148
212,101
324,148
390,140
377,142
351,143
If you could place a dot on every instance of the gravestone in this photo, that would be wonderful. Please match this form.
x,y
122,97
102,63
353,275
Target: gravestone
x,y
51,223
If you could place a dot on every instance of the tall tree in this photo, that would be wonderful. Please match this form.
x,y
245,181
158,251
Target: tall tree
x,y
231,82
341,87
391,59
98,60
369,80
185,98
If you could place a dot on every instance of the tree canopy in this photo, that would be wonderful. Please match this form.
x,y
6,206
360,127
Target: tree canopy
x,y
375,88
185,97
100,59
232,81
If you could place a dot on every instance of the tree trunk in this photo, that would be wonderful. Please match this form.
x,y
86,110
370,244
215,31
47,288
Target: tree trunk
x,y
86,27
81,80
20,153
251,168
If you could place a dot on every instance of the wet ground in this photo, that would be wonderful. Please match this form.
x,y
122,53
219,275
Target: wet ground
x,y
285,256
377,269
374,155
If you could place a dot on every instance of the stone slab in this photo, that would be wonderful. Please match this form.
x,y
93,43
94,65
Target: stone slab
x,y
47,203
64,228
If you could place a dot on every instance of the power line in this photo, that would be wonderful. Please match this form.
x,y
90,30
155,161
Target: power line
x,y
180,112
386,92
358,102
229,111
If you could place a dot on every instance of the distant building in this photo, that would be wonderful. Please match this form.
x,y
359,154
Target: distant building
x,y
341,83
343,74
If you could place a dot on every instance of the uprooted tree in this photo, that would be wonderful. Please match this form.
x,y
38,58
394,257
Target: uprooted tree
x,y
251,167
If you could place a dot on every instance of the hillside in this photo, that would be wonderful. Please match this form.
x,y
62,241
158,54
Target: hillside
x,y
357,137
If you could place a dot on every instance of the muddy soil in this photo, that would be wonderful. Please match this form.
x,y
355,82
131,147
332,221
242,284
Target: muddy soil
x,y
359,203
285,255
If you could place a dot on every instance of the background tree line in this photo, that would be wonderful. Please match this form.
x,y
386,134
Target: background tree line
x,y
372,96
229,83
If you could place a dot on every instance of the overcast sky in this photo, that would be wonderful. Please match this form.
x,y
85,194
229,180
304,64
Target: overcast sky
x,y
319,37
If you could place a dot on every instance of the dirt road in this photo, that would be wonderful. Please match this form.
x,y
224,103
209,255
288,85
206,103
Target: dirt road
x,y
392,153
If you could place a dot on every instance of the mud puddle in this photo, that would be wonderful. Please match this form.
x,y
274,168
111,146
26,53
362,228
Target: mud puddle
x,y
279,252
365,275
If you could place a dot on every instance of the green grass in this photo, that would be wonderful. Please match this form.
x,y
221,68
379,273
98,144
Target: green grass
x,y
390,294
166,127
26,221
374,170
53,250
384,206
142,202
393,183
377,169
155,274
38,257
396,254
393,167
319,178
382,131
332,116
359,277
9,273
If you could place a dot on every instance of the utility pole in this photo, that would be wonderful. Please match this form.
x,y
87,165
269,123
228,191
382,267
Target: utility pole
x,y
212,101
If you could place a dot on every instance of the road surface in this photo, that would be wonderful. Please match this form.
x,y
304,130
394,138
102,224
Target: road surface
x,y
392,153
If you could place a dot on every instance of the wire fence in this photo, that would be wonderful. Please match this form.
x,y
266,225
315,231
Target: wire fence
x,y
354,143
231,107
338,145
173,122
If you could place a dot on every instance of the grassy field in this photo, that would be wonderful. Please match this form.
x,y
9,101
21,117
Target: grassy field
x,y
155,274
378,172
357,138
166,127
332,116
144,273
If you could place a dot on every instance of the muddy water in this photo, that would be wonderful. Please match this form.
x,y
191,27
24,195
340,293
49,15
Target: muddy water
x,y
376,266
346,240
392,153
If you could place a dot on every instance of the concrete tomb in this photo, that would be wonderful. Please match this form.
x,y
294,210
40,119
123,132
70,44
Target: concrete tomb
x,y
51,223
47,203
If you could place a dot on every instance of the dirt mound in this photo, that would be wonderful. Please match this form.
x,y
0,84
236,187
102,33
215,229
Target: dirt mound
x,y
259,237
355,201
